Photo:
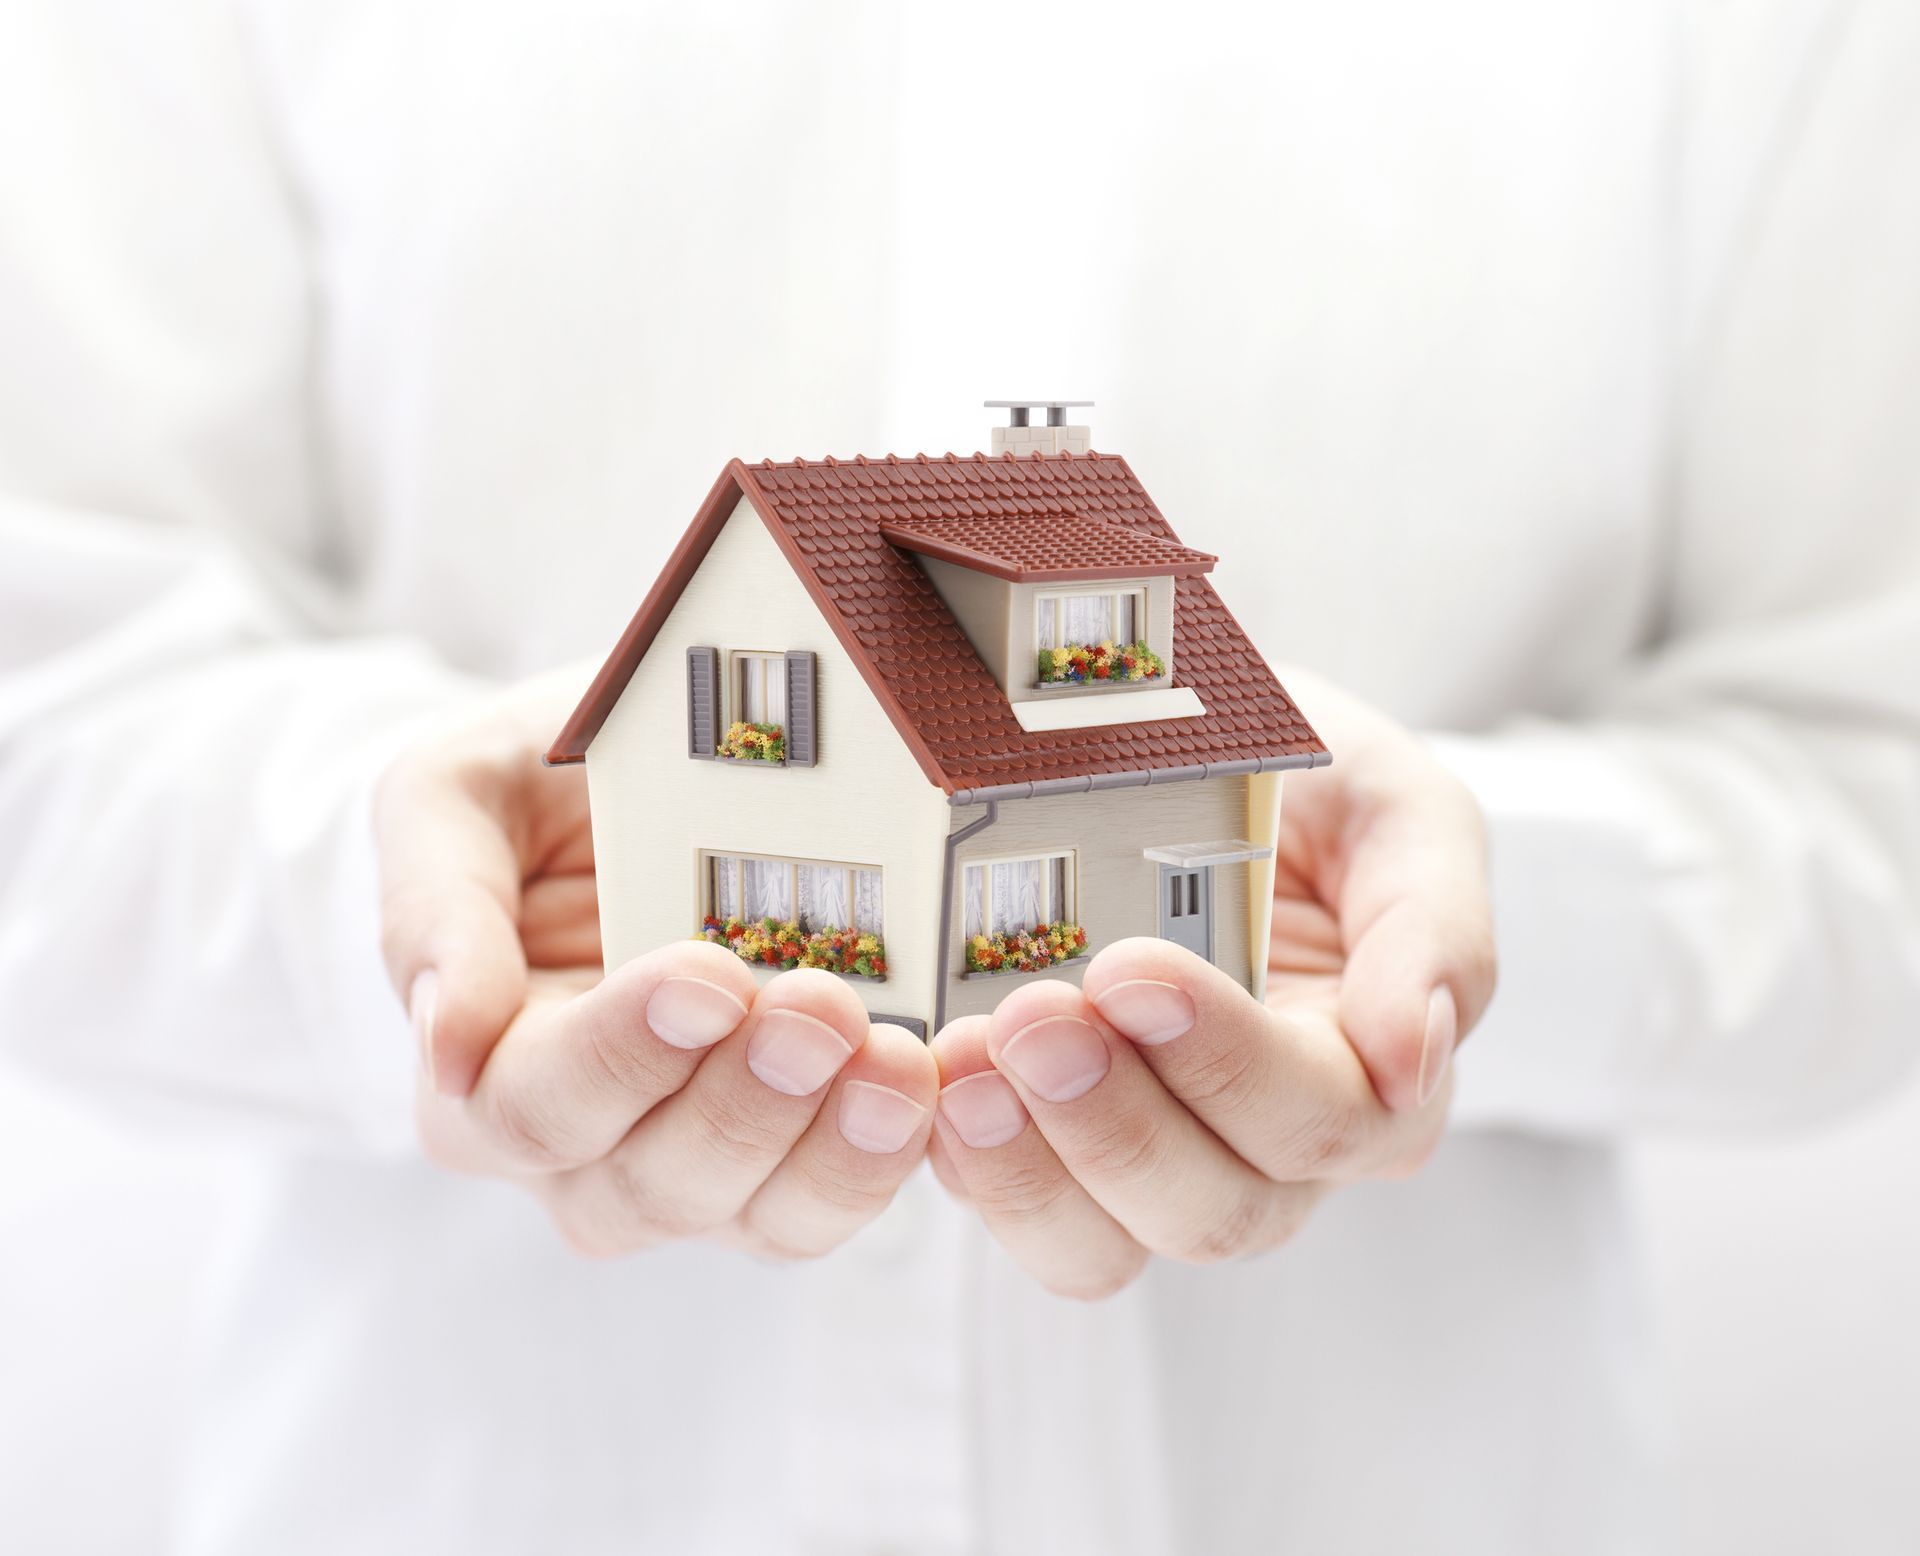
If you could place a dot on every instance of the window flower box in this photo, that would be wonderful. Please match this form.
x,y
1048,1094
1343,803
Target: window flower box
x,y
783,944
746,742
1099,664
1026,950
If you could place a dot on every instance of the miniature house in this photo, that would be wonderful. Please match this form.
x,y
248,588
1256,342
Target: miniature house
x,y
937,725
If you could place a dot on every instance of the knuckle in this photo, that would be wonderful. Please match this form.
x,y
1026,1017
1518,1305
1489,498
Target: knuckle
x,y
1227,1234
739,1134
619,1060
1123,1147
1322,1138
524,1131
843,1192
1022,1194
1221,1080
651,1209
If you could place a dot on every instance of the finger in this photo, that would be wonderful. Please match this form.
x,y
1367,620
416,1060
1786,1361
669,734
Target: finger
x,y
692,1163
449,903
1419,926
560,920
1286,1092
1157,1170
869,1134
577,1068
985,1141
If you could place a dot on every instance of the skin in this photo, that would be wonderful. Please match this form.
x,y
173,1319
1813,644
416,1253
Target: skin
x,y
1155,1109
1216,1140
537,1069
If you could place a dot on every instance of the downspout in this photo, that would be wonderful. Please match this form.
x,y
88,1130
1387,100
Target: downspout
x,y
954,840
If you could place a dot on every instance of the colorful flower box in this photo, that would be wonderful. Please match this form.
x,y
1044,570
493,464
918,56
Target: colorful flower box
x,y
753,743
783,944
1026,950
1100,662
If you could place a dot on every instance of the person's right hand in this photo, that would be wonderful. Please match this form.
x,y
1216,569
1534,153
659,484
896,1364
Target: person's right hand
x,y
670,1099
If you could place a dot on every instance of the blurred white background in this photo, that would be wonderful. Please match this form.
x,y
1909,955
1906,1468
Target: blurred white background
x,y
1782,1278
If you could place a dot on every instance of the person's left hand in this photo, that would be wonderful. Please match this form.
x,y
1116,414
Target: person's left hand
x,y
1160,1109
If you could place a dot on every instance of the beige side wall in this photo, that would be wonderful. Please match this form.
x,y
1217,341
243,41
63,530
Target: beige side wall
x,y
1118,888
866,802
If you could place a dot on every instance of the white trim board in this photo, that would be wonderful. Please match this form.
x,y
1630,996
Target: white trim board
x,y
1191,856
1062,710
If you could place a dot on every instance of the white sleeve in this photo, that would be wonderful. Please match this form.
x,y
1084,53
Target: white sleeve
x,y
187,732
1708,886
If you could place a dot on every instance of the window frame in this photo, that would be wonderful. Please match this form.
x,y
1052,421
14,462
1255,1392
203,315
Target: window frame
x,y
1056,598
1072,886
704,859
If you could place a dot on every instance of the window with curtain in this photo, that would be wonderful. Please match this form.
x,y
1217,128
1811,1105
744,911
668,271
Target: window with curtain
x,y
817,893
1090,616
760,688
1003,896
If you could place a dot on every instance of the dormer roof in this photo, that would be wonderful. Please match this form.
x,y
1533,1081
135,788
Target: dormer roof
x,y
1047,547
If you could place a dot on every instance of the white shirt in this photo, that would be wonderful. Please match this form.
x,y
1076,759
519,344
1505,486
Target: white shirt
x,y
1542,373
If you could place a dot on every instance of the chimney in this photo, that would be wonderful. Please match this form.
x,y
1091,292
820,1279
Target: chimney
x,y
1020,437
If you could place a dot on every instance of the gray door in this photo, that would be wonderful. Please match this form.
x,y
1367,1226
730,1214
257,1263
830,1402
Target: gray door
x,y
1186,907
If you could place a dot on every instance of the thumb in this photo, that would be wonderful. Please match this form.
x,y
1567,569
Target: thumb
x,y
449,907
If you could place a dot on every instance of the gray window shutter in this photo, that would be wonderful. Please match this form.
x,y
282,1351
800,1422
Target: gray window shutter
x,y
703,703
803,711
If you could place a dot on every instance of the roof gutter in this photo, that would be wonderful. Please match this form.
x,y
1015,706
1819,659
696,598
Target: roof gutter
x,y
1089,783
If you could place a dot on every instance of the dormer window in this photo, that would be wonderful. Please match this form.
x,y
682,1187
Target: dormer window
x,y
1088,616
1075,614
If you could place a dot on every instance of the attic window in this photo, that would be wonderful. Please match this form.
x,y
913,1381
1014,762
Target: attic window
x,y
1086,616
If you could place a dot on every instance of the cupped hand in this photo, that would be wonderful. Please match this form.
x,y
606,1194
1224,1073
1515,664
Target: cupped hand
x,y
671,1099
1160,1109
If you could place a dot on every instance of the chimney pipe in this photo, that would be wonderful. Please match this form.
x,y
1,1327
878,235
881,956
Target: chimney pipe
x,y
1021,438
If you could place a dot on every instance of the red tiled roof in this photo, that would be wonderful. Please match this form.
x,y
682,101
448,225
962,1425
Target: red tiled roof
x,y
1048,548
828,518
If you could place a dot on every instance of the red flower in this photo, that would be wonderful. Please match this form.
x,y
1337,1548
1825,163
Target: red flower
x,y
1102,671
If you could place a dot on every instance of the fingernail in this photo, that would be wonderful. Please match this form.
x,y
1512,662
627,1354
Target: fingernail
x,y
877,1118
1436,1048
984,1109
1058,1057
1147,1010
693,1013
795,1053
422,998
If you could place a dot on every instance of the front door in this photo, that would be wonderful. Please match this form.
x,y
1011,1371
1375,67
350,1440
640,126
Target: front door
x,y
1186,907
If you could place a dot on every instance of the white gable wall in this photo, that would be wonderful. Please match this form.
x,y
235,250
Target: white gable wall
x,y
866,802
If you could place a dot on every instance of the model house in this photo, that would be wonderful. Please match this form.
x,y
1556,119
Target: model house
x,y
937,725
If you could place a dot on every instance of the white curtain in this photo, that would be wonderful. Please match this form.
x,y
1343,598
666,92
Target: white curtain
x,y
976,914
763,689
726,897
1047,624
769,889
866,902
1019,894
1088,617
823,896
1057,904
1126,628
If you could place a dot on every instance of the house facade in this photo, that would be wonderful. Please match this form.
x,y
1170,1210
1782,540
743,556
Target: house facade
x,y
939,725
